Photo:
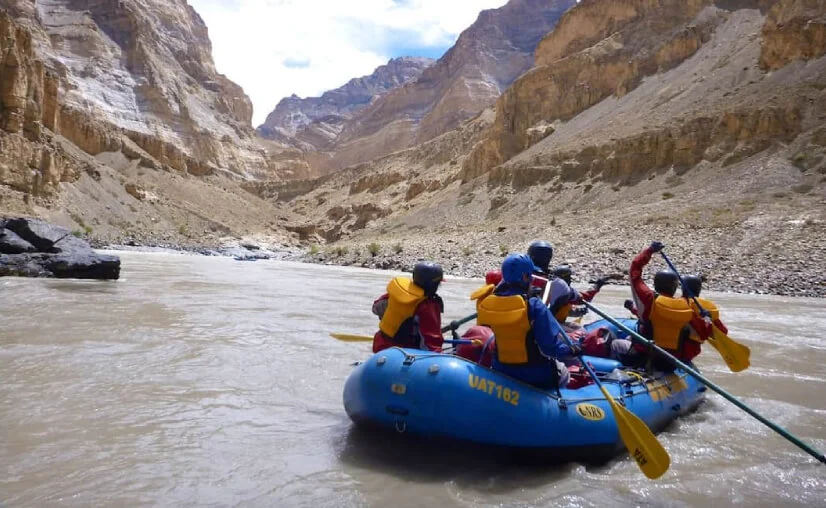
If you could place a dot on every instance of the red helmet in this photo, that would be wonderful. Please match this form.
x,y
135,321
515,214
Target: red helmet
x,y
493,277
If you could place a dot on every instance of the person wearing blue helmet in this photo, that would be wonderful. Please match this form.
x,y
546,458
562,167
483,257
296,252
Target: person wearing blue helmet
x,y
529,340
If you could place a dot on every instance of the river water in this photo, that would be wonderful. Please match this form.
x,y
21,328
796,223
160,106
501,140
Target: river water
x,y
211,382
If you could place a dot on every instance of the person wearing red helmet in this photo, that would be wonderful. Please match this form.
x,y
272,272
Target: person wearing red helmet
x,y
410,312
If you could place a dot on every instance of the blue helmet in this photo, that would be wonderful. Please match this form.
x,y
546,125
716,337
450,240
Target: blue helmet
x,y
541,253
515,267
428,275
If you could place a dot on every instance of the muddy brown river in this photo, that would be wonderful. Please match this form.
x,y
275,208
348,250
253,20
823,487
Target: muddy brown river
x,y
199,381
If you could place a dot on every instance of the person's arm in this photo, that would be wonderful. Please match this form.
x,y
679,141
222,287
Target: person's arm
x,y
701,326
629,304
719,324
589,295
429,313
643,295
380,305
546,331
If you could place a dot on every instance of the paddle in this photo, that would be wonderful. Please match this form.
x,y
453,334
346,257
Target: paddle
x,y
347,337
642,444
780,430
735,355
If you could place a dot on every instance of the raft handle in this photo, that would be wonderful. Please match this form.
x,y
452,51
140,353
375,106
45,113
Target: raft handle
x,y
401,426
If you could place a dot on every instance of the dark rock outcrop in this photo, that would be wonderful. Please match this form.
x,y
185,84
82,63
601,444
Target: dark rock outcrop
x,y
33,248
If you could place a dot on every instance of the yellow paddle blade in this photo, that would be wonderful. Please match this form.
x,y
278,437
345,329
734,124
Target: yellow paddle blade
x,y
642,444
347,337
735,355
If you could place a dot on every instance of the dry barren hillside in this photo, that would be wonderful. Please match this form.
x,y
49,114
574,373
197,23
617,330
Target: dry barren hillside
x,y
485,60
699,123
114,121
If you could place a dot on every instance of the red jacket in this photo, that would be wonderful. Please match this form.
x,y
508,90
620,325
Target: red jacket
x,y
644,299
429,314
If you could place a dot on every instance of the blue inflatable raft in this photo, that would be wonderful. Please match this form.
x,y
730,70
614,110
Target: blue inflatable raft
x,y
439,395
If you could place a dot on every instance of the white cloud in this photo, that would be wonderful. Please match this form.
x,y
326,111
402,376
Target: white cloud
x,y
274,48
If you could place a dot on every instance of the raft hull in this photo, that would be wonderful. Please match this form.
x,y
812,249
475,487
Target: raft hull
x,y
438,395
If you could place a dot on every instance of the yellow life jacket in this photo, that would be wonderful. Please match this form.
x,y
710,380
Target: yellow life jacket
x,y
562,314
708,306
403,298
508,317
668,318
482,293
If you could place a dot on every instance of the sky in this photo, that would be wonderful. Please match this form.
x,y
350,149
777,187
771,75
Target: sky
x,y
274,48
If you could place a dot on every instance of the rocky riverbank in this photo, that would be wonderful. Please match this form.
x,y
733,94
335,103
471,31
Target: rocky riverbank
x,y
34,248
735,258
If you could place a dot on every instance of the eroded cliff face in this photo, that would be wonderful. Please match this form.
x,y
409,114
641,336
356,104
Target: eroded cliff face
x,y
30,160
485,60
143,69
599,49
314,123
114,120
794,30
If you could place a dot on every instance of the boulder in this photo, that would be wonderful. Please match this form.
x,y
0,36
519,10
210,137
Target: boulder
x,y
34,248
11,243
37,232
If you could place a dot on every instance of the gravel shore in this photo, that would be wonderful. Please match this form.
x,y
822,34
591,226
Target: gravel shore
x,y
728,258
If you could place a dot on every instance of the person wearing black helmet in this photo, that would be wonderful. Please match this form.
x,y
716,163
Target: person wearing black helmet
x,y
528,338
410,313
693,284
541,252
662,317
562,301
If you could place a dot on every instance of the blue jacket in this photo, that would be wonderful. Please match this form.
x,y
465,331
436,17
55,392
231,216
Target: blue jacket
x,y
548,336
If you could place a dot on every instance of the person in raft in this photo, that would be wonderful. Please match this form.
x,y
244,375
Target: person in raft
x,y
562,300
694,284
663,319
541,253
410,313
528,338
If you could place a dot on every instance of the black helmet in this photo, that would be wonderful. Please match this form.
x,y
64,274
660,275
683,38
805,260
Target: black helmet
x,y
694,283
541,253
666,282
428,275
563,272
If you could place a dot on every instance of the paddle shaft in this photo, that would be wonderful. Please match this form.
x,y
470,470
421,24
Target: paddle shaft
x,y
768,423
456,324
641,443
686,290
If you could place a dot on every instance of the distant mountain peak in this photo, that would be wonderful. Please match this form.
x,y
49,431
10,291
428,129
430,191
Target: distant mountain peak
x,y
292,115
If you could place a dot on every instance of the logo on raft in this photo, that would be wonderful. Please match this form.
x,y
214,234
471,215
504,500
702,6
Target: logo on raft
x,y
590,412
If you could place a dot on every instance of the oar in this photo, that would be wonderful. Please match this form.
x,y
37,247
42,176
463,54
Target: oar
x,y
780,430
735,355
348,337
642,444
